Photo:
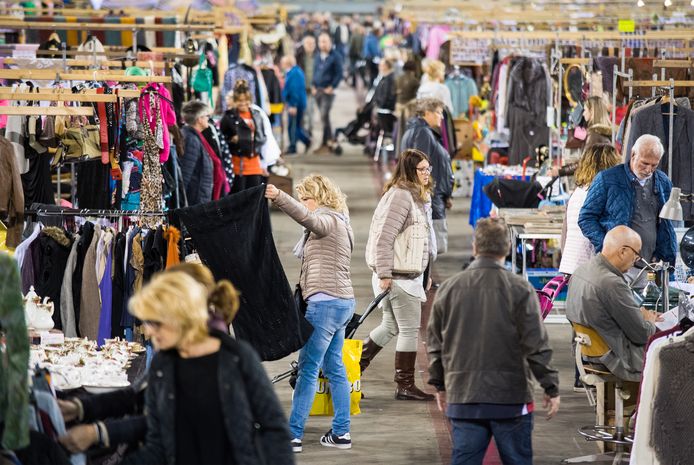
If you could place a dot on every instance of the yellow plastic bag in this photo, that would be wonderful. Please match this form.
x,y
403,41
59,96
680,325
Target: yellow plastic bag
x,y
323,402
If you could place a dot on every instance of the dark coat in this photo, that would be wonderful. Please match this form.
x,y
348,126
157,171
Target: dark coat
x,y
249,143
197,168
255,424
610,203
384,96
328,72
528,98
421,137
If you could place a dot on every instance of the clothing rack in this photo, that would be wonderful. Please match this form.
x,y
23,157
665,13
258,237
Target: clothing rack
x,y
91,212
101,64
25,25
670,86
22,110
8,93
49,75
617,74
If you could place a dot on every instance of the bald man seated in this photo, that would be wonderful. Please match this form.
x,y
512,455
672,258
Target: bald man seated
x,y
599,297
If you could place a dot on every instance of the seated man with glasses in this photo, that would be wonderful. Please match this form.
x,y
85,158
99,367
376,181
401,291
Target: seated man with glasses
x,y
600,298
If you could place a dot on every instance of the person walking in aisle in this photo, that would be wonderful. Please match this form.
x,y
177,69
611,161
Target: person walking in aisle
x,y
423,133
356,46
327,74
480,366
305,59
325,251
403,215
372,54
242,127
294,97
208,399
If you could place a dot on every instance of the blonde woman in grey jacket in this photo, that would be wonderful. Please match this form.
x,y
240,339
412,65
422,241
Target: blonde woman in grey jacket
x,y
325,251
401,244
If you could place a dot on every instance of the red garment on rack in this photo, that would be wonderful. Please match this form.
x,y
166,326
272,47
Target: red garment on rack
x,y
220,185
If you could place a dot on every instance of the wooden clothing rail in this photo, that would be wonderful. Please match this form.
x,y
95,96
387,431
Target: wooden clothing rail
x,y
676,34
59,63
658,83
50,75
673,63
102,26
115,55
55,95
46,111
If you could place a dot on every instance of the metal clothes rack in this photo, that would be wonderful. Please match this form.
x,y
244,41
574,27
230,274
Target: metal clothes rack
x,y
616,75
92,212
670,86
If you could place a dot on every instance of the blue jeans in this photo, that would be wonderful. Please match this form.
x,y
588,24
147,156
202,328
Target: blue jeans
x,y
296,130
323,349
513,438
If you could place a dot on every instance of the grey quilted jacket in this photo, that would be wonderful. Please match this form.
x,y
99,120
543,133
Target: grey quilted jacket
x,y
325,266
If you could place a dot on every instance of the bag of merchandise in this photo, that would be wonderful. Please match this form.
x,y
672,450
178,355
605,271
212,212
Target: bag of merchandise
x,y
323,402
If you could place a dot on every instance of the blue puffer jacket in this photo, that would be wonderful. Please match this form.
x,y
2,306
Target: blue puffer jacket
x,y
610,203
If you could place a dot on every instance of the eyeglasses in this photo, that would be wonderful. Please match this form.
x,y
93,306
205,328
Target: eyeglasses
x,y
152,324
638,255
427,169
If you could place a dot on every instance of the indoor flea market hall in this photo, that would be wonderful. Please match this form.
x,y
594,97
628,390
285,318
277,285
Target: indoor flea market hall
x,y
246,232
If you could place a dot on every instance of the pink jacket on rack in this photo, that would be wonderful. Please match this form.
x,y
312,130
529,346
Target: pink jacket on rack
x,y
168,116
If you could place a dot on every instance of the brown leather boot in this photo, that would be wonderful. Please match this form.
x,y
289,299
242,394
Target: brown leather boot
x,y
368,352
404,377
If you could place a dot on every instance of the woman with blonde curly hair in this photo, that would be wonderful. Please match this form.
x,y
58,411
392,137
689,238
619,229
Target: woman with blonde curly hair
x,y
577,249
325,251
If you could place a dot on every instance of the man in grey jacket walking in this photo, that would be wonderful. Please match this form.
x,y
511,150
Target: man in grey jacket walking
x,y
485,337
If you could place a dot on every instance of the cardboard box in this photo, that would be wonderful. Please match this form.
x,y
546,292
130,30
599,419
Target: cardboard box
x,y
283,183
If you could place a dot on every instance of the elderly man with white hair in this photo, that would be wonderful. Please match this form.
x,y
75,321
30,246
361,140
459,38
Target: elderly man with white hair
x,y
632,194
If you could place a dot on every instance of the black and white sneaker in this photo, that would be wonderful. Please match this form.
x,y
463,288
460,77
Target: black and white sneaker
x,y
331,439
296,445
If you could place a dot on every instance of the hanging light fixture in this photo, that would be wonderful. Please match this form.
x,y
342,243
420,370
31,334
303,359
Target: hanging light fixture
x,y
667,3
640,4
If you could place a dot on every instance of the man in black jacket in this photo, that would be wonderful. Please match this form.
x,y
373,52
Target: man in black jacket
x,y
485,336
327,74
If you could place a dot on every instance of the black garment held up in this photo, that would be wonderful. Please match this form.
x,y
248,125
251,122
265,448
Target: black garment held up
x,y
233,237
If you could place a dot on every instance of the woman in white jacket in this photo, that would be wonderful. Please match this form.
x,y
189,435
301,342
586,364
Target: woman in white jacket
x,y
576,248
432,85
403,213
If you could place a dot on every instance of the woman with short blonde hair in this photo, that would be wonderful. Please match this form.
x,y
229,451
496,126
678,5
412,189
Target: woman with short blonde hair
x,y
432,85
325,250
208,399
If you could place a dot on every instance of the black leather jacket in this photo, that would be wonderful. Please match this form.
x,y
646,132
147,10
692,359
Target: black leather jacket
x,y
254,420
249,143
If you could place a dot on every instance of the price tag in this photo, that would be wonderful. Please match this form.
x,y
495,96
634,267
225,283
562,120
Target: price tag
x,y
626,25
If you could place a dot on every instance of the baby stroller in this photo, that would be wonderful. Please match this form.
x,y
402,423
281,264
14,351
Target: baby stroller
x,y
351,131
351,329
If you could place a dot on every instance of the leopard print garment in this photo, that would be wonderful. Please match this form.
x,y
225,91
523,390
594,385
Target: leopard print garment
x,y
152,178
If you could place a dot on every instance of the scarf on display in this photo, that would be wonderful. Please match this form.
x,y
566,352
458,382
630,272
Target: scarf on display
x,y
233,237
220,185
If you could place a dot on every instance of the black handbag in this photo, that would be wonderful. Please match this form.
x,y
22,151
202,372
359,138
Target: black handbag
x,y
301,304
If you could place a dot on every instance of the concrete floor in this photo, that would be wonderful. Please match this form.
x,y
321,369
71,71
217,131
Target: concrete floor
x,y
399,432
